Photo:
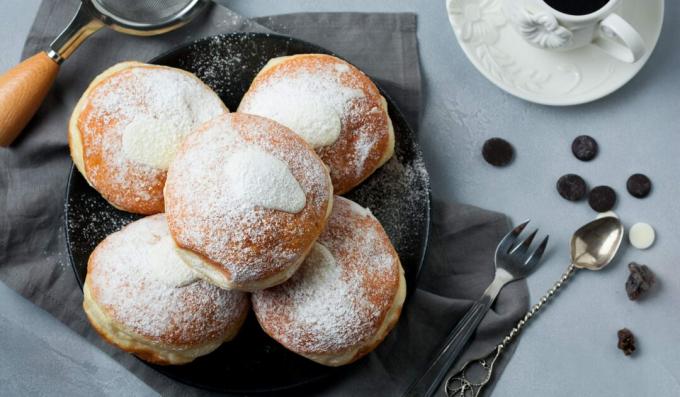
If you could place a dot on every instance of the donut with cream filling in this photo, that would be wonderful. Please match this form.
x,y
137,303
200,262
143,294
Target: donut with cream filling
x,y
127,126
140,296
333,105
346,297
245,199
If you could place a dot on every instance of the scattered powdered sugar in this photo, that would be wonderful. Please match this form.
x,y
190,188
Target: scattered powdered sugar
x,y
398,196
256,178
89,220
128,281
341,293
311,103
229,62
219,64
146,113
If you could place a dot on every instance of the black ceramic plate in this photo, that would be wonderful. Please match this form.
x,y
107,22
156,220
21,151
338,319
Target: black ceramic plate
x,y
398,195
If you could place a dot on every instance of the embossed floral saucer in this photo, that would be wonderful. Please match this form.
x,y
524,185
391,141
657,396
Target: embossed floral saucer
x,y
547,77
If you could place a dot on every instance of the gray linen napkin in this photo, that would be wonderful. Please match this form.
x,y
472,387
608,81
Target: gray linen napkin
x,y
33,257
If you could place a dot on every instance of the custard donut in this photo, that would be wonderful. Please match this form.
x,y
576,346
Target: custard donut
x,y
333,105
127,126
245,199
140,296
346,297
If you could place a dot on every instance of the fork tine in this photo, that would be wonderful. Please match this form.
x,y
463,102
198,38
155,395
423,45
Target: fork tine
x,y
523,247
509,240
535,257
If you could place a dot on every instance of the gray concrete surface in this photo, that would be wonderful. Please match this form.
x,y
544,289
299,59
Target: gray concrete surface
x,y
571,349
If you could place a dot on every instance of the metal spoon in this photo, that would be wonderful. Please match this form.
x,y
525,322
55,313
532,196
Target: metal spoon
x,y
593,247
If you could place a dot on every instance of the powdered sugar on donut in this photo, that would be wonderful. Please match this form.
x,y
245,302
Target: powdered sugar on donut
x,y
256,178
332,105
340,295
135,120
127,280
309,103
154,109
209,216
322,299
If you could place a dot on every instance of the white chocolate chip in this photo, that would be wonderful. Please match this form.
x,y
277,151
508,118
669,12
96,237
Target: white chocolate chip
x,y
641,235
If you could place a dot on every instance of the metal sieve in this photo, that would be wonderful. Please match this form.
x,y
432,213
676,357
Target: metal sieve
x,y
136,17
23,88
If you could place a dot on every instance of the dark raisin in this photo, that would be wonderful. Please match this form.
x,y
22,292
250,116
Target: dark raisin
x,y
571,187
498,152
626,341
602,198
639,185
640,280
584,148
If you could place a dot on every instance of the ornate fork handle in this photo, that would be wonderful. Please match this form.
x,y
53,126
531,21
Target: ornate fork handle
x,y
430,381
460,386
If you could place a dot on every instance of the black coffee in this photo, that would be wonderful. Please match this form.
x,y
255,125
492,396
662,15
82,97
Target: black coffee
x,y
576,7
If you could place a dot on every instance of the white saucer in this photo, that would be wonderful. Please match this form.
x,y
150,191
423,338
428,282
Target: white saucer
x,y
547,77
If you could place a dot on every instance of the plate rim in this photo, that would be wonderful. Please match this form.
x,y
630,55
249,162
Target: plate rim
x,y
428,205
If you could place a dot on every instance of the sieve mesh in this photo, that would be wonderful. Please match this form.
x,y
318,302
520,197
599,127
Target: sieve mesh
x,y
143,11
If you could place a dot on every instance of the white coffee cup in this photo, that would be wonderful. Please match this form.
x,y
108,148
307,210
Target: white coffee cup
x,y
547,28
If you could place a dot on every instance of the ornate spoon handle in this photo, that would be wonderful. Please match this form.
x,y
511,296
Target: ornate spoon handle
x,y
459,385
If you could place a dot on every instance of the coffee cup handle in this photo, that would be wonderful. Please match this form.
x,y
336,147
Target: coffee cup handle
x,y
614,27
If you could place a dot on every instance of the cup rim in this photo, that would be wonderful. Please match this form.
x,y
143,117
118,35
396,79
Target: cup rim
x,y
580,18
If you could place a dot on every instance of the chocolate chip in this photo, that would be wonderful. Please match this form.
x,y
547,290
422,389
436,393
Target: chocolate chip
x,y
584,148
640,280
498,152
572,187
639,185
626,341
602,198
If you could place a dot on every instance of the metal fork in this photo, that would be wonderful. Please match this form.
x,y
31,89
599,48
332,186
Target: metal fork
x,y
512,263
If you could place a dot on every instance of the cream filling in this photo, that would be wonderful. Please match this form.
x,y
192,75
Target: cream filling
x,y
316,122
127,340
216,277
210,274
166,266
255,178
152,142
390,145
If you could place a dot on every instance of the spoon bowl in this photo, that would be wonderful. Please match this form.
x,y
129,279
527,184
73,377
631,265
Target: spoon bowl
x,y
595,244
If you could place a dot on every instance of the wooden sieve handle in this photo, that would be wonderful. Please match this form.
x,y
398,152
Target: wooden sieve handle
x,y
22,89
